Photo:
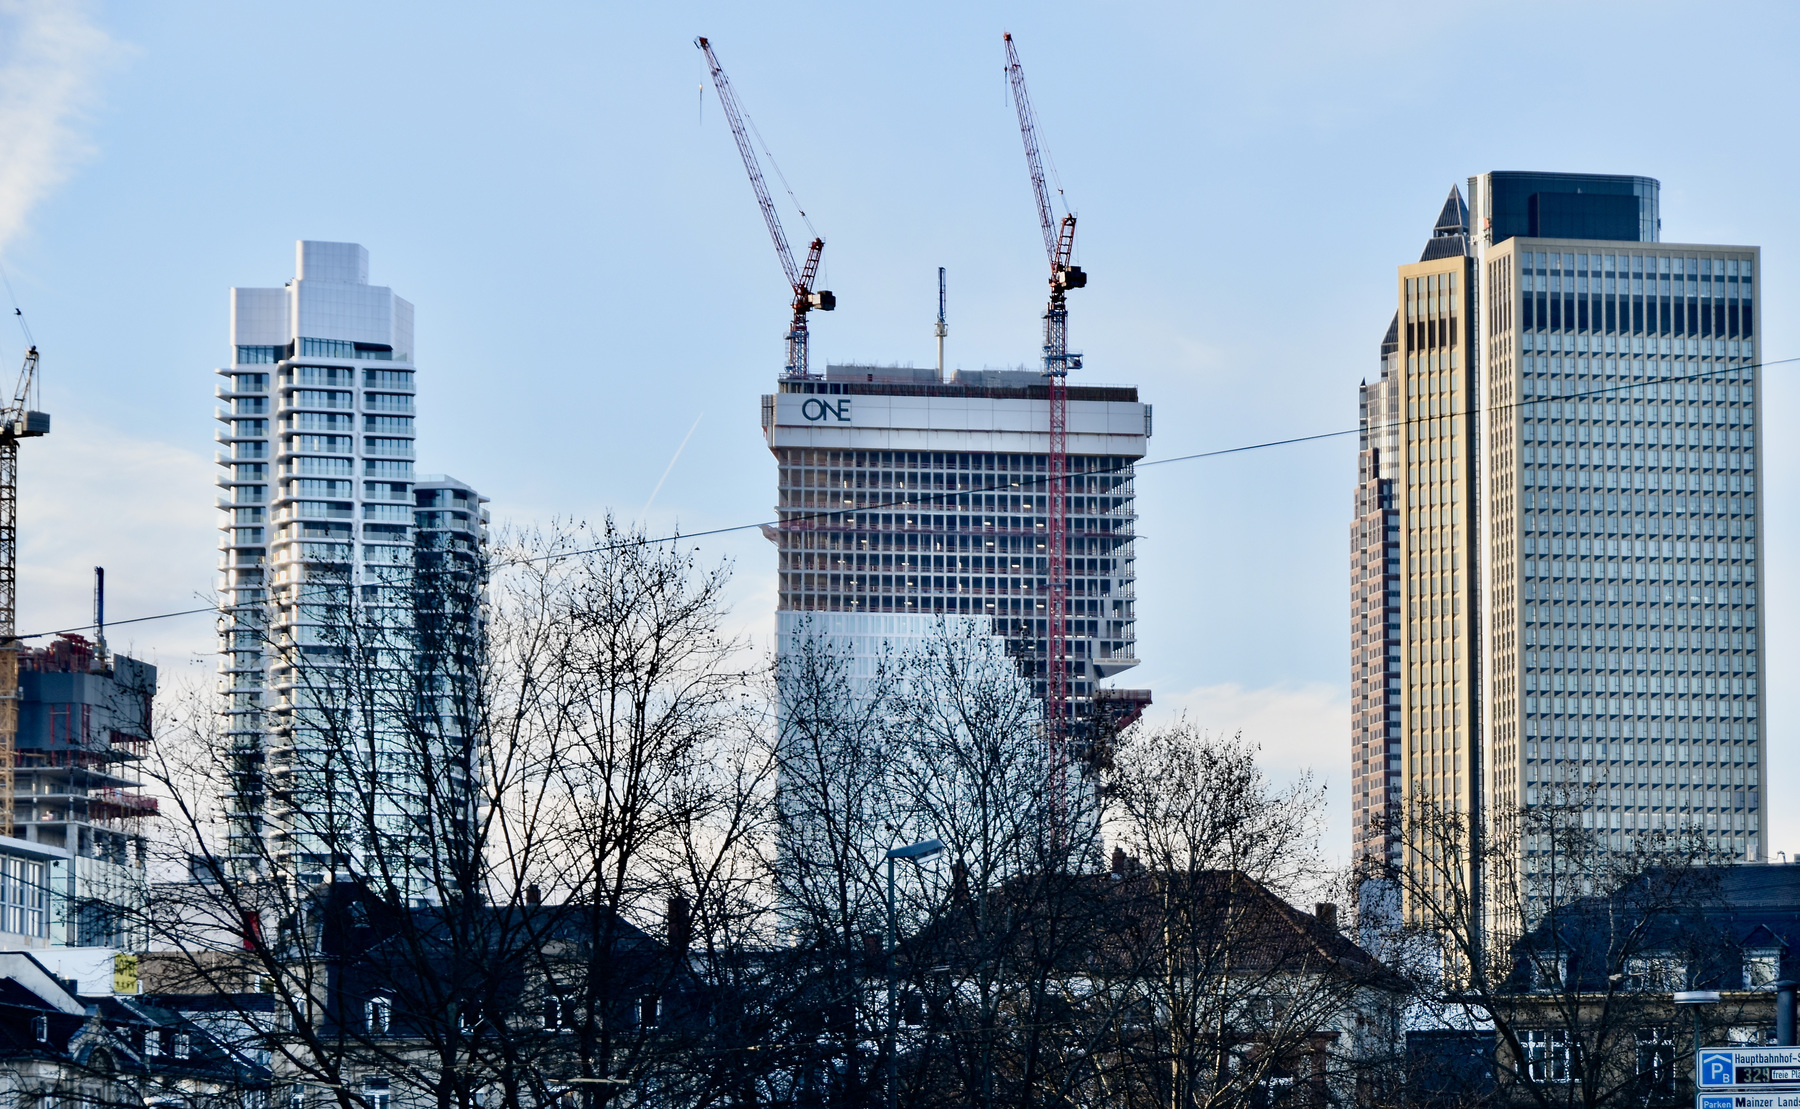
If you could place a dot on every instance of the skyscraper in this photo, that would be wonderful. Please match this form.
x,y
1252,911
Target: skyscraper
x,y
904,497
1574,482
322,517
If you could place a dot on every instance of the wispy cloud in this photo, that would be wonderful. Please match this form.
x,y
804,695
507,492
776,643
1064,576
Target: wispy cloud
x,y
51,55
1299,728
92,495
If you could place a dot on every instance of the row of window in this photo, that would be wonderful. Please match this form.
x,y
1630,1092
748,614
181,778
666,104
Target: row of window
x,y
1654,685
1638,660
1639,314
1671,752
1633,265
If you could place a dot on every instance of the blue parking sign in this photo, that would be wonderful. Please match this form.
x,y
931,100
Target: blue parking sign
x,y
1716,1068
1713,1101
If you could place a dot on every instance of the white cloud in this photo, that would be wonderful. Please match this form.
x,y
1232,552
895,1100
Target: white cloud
x,y
91,495
1299,727
50,55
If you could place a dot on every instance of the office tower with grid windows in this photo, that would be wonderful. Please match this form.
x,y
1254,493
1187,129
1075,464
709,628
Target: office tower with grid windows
x,y
349,581
1412,549
1623,512
1575,484
904,498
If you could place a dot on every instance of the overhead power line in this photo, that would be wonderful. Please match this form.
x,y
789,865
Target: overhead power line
x,y
920,500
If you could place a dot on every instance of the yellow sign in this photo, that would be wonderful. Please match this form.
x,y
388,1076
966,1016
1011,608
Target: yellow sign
x,y
125,972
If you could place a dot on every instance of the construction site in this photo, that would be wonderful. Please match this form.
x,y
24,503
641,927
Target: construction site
x,y
998,502
74,720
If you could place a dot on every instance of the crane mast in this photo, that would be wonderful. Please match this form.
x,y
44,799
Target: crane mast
x,y
1059,246
16,422
800,277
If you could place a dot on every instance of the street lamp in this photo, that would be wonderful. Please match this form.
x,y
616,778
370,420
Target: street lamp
x,y
1694,999
915,852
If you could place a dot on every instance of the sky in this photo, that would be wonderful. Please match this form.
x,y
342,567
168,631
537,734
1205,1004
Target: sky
x,y
555,188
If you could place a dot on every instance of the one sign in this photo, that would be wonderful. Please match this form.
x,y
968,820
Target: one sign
x,y
1750,1099
1738,1067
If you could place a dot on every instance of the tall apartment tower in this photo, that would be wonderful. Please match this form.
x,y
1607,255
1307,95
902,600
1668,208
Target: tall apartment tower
x,y
904,497
328,538
1574,482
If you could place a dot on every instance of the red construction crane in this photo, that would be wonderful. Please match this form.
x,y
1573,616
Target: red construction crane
x,y
800,277
1059,244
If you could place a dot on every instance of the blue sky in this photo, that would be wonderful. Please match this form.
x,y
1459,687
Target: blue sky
x,y
551,188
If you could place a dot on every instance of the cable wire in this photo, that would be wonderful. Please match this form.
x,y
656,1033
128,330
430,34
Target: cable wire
x,y
916,501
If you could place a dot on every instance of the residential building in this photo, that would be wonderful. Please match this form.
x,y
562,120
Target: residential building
x,y
319,655
1595,976
1570,412
1161,983
67,1040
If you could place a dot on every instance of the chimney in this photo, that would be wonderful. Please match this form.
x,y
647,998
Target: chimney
x,y
533,895
1118,866
681,925
1327,914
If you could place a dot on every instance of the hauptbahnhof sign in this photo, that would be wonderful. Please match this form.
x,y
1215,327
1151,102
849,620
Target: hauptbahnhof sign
x,y
1748,1078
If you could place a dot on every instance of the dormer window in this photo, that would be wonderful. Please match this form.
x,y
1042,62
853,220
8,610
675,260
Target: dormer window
x,y
1762,967
378,1015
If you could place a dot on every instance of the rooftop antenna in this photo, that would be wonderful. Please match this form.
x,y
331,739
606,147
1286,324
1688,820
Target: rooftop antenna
x,y
942,328
100,615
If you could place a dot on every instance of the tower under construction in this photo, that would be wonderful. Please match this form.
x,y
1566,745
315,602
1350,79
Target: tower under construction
x,y
905,496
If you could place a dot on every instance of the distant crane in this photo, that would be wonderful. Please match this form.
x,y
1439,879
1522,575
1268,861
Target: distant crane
x,y
800,277
1059,244
18,421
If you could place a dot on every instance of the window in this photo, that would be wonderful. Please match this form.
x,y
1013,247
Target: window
x,y
22,894
183,1046
1762,967
1654,973
327,348
1656,1061
378,1015
558,1013
1546,1054
40,1028
376,1093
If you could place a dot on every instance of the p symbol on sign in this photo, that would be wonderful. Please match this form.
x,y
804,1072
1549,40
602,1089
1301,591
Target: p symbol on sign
x,y
1715,1068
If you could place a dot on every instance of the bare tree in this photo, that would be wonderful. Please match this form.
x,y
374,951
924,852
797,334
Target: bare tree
x,y
1556,946
478,882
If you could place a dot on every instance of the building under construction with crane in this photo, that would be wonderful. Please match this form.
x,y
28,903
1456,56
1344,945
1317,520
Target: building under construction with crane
x,y
999,498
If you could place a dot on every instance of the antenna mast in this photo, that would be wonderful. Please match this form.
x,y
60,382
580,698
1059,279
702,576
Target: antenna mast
x,y
942,328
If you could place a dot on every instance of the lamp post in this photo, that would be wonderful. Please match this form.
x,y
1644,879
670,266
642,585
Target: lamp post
x,y
915,852
1694,999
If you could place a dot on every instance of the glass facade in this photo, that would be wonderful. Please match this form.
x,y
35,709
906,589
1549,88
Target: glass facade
x,y
1569,206
1626,537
